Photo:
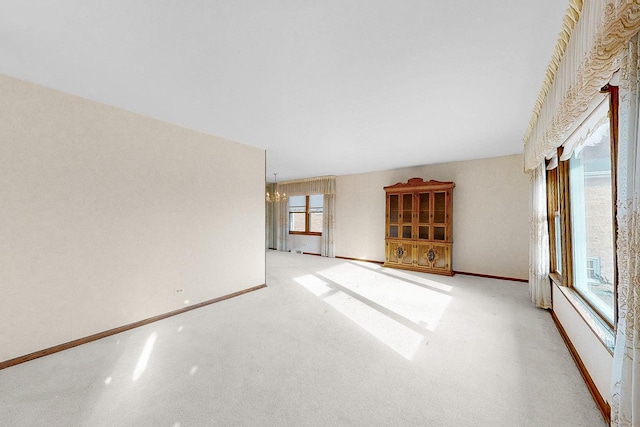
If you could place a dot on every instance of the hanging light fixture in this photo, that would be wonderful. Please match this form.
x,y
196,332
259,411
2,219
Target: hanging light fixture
x,y
276,196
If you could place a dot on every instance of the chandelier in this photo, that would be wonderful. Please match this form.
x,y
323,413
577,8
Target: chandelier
x,y
277,197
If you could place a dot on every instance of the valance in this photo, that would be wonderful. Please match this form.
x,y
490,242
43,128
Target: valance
x,y
301,187
591,131
590,59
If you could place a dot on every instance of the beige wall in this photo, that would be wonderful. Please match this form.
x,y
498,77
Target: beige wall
x,y
106,214
309,244
594,355
490,213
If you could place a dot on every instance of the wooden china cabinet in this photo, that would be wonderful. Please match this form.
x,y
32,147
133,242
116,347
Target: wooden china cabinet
x,y
418,232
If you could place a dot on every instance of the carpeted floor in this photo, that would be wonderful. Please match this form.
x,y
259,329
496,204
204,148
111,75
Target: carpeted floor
x,y
329,342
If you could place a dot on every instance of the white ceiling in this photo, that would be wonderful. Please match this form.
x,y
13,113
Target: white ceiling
x,y
327,87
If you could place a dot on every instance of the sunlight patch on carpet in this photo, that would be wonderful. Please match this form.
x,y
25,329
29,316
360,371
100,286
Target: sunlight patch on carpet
x,y
418,304
398,337
141,366
313,284
382,302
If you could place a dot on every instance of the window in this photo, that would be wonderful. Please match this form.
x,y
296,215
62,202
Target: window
x,y
555,226
592,231
305,214
581,208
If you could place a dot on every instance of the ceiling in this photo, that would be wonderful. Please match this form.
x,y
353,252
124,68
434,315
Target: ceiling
x,y
327,87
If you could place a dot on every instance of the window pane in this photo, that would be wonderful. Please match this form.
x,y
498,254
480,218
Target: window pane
x,y
315,222
553,206
316,202
558,240
297,204
296,221
592,221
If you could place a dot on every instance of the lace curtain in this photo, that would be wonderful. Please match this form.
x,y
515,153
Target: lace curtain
x,y
590,59
270,220
282,226
327,247
325,185
539,285
625,405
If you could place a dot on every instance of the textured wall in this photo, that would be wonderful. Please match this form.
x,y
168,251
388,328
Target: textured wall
x,y
107,214
490,213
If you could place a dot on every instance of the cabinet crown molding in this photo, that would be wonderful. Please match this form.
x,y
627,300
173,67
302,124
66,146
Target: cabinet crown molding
x,y
415,183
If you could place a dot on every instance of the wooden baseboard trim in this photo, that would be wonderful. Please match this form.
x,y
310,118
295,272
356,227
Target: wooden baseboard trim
x,y
99,335
488,276
358,259
311,253
604,407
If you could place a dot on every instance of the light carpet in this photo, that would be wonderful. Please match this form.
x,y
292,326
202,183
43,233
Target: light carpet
x,y
329,342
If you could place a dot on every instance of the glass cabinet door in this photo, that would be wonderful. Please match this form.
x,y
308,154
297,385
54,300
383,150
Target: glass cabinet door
x,y
407,216
424,213
439,215
394,215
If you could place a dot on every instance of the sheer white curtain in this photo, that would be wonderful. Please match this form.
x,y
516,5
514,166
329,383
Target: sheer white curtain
x,y
282,226
539,285
625,406
325,185
270,220
327,247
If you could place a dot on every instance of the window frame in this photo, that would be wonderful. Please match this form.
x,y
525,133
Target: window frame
x,y
307,220
558,198
553,210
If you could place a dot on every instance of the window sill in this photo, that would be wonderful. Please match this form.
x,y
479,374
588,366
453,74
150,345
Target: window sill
x,y
603,331
556,278
302,233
